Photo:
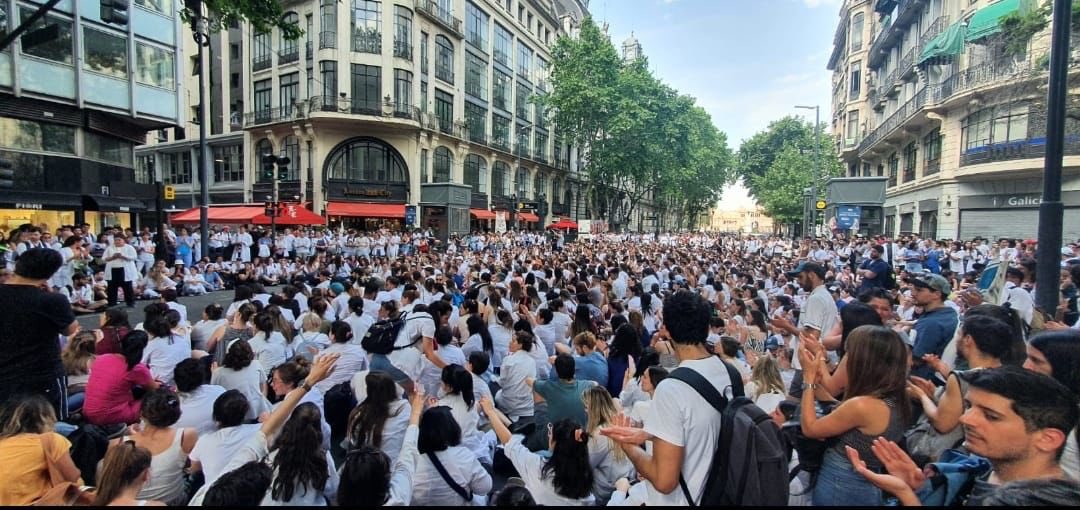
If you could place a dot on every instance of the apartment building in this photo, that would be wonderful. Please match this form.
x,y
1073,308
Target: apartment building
x,y
379,97
76,96
927,95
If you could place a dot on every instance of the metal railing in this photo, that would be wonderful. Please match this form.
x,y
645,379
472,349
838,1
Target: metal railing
x,y
366,41
327,39
501,142
906,63
541,157
434,11
477,136
938,26
895,120
403,49
260,64
308,51
291,56
932,166
269,115
886,87
338,104
521,149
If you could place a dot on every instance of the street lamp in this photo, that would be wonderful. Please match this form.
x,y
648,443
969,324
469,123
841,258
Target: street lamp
x,y
817,164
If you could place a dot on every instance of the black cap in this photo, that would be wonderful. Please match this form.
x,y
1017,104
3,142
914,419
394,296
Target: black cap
x,y
807,266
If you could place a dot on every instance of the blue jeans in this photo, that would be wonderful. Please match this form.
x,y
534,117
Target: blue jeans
x,y
382,363
839,485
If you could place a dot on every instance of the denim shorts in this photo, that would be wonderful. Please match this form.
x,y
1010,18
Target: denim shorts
x,y
839,485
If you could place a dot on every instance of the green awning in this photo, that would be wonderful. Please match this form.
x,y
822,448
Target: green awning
x,y
946,44
985,21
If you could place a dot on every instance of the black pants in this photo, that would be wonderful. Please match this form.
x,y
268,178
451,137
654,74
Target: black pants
x,y
117,282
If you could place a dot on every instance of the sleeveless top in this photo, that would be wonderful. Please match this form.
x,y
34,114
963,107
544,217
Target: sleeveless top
x,y
862,442
167,474
229,335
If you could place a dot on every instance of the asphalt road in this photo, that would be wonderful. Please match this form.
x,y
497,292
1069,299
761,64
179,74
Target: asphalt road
x,y
194,304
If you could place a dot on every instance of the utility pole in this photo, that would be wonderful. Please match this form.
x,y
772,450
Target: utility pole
x,y
201,33
1051,210
812,227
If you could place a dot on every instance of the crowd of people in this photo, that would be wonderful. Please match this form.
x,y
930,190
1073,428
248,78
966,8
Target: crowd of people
x,y
519,369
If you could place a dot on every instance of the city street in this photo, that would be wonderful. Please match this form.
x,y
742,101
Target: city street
x,y
194,304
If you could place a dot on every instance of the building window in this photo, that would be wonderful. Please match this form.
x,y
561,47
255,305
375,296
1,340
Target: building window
x,y
852,125
476,121
504,44
855,36
366,37
58,49
176,167
366,82
423,53
928,224
442,164
290,49
476,23
995,125
402,32
228,163
932,145
866,169
475,76
500,132
541,146
328,74
541,73
105,53
501,91
290,148
894,168
522,183
328,23
475,173
260,51
423,97
158,6
36,136
310,73
538,185
309,34
444,59
402,91
289,86
500,179
911,153
522,101
524,62
522,145
907,222
144,169
555,196
423,165
856,80
444,110
154,66
366,160
262,99
262,148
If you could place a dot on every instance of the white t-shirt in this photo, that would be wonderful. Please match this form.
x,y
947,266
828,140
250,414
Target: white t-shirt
x,y
682,417
197,409
216,449
410,359
162,355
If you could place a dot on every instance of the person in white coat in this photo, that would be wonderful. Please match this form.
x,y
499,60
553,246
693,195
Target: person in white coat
x,y
120,270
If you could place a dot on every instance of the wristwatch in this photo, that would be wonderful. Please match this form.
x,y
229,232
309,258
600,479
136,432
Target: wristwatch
x,y
810,386
305,385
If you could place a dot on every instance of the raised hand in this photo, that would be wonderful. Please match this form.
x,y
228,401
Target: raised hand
x,y
898,463
887,482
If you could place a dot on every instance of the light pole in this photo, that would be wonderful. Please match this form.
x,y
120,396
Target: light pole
x,y
817,165
201,33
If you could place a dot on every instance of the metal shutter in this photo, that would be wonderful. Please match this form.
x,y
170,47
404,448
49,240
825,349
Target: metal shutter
x,y
1013,223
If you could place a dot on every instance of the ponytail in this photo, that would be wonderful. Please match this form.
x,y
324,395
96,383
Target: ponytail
x,y
122,466
460,382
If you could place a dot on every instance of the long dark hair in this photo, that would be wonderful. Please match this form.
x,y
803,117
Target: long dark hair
x,y
300,459
878,366
116,317
626,342
367,420
477,326
569,468
460,382
1062,350
853,315
132,345
123,464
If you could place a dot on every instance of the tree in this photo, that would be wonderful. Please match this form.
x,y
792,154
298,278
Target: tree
x,y
757,154
263,15
780,188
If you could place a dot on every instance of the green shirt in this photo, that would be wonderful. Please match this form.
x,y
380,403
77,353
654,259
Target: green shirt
x,y
564,399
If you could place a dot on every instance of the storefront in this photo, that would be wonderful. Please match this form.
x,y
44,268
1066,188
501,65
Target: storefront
x,y
51,210
367,216
482,220
1014,216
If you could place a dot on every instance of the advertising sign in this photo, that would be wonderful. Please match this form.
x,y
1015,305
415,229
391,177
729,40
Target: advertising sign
x,y
847,217
410,215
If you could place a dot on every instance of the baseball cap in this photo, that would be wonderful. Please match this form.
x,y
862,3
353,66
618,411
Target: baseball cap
x,y
806,265
337,288
933,282
772,343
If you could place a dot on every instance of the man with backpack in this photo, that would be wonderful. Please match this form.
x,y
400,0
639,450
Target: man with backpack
x,y
693,456
396,344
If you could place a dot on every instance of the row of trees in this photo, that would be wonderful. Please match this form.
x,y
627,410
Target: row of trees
x,y
638,138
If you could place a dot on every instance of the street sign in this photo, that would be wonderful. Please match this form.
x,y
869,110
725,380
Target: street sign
x,y
170,193
820,205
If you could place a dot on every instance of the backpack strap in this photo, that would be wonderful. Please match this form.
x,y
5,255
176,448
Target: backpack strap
x,y
707,391
467,495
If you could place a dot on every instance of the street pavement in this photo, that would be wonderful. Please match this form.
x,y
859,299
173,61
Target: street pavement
x,y
194,304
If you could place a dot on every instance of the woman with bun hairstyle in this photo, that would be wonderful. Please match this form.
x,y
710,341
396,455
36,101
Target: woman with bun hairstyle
x,y
168,445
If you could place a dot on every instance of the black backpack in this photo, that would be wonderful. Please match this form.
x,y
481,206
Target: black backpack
x,y
381,336
748,472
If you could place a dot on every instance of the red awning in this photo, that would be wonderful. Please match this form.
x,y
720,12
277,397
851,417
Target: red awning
x,y
482,214
365,210
529,217
239,214
292,214
564,224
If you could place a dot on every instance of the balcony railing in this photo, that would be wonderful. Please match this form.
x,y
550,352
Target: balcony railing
x,y
907,62
895,120
403,49
909,174
366,107
340,104
308,51
365,41
269,115
289,56
521,149
541,157
441,16
327,39
501,142
888,85
261,63
931,167
938,26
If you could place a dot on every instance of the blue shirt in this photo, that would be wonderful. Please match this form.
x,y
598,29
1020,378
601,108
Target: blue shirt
x,y
880,268
933,331
591,367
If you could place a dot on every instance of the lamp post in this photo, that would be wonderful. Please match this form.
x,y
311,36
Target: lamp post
x,y
817,165
200,31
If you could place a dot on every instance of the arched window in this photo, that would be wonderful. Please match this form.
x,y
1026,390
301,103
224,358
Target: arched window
x,y
443,164
290,50
539,187
522,183
366,159
444,59
500,179
569,198
262,148
290,148
475,173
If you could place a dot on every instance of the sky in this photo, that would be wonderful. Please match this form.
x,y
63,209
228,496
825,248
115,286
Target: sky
x,y
748,62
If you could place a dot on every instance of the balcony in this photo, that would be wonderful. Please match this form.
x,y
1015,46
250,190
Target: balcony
x,y
270,116
907,64
938,26
327,40
308,51
540,157
261,64
431,122
894,121
981,75
887,87
521,149
441,16
289,56
343,104
365,107
892,32
909,174
367,41
403,49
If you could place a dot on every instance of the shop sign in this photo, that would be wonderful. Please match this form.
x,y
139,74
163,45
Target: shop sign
x,y
366,192
1014,201
26,205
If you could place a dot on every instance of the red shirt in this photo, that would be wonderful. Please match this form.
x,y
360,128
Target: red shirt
x,y
108,392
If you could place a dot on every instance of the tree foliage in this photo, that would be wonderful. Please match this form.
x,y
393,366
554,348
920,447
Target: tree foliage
x,y
639,139
263,15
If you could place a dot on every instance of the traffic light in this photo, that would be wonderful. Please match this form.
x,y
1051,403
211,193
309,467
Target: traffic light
x,y
283,168
268,209
115,12
268,161
7,173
